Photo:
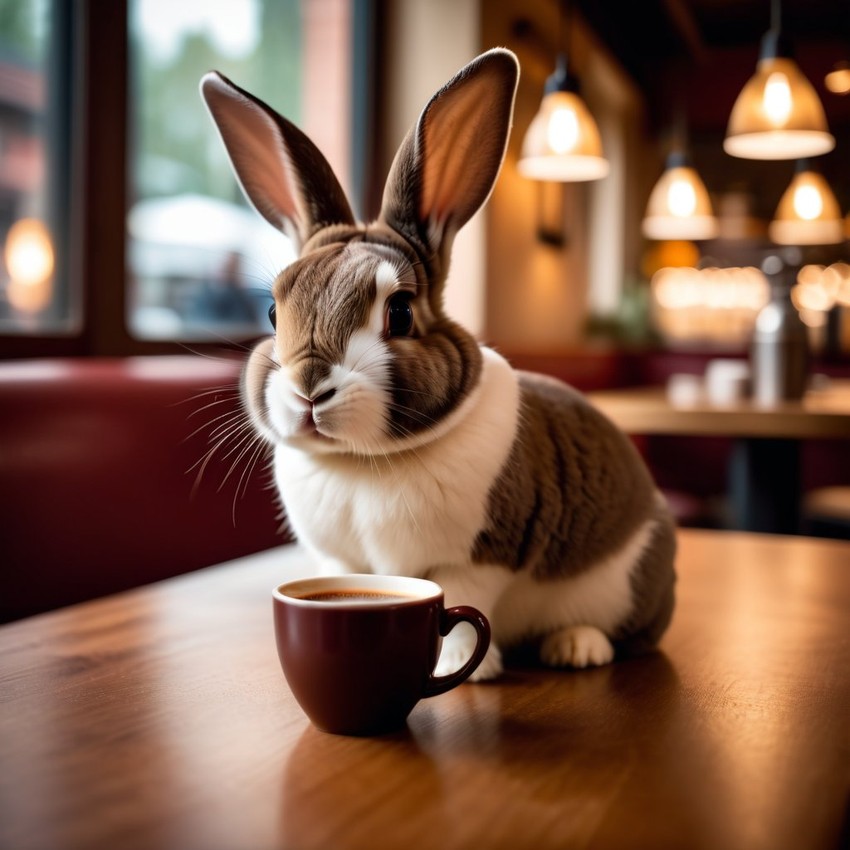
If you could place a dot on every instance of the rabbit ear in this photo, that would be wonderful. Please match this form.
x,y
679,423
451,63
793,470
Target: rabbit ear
x,y
446,167
282,173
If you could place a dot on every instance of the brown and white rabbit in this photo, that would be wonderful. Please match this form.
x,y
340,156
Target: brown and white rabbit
x,y
403,446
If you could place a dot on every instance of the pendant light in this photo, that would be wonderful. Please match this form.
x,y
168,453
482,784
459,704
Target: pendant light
x,y
808,213
838,79
679,206
777,114
562,143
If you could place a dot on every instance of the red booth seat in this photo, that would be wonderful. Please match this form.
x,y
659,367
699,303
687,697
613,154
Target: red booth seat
x,y
99,486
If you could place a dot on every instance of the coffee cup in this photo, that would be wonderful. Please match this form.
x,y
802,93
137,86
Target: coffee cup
x,y
359,651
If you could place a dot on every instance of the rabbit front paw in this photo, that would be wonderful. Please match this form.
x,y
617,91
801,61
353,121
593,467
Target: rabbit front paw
x,y
457,650
576,646
490,666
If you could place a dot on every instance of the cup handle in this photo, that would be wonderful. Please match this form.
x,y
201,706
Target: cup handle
x,y
449,618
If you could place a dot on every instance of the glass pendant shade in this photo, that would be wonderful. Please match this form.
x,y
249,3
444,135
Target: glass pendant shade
x,y
562,143
679,206
777,115
808,213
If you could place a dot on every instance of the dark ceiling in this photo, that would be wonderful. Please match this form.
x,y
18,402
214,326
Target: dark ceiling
x,y
700,52
691,58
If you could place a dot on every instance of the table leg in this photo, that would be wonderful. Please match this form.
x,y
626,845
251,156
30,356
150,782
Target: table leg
x,y
764,485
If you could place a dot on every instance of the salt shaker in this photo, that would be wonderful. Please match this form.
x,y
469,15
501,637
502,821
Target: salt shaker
x,y
780,349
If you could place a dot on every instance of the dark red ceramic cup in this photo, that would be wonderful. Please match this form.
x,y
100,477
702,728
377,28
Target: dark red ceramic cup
x,y
359,651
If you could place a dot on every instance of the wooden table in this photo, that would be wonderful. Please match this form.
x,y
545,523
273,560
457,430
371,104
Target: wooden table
x,y
159,719
764,473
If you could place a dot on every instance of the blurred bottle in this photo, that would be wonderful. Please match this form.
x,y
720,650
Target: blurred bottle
x,y
780,348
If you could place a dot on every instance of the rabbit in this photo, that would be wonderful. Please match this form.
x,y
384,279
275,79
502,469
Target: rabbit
x,y
403,446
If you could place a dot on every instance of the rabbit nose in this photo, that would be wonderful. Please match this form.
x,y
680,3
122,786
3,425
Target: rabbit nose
x,y
327,395
310,402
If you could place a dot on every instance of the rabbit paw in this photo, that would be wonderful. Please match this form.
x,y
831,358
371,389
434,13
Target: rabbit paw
x,y
576,646
457,649
490,666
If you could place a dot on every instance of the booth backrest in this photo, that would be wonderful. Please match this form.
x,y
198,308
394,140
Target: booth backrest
x,y
100,477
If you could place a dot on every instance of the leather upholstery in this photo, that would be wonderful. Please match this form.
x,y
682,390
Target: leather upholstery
x,y
96,492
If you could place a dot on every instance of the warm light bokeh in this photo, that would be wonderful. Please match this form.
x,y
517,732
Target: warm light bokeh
x,y
838,79
808,203
711,305
681,198
719,306
819,289
563,130
29,260
29,251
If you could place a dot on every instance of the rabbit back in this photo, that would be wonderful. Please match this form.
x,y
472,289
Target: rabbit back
x,y
572,491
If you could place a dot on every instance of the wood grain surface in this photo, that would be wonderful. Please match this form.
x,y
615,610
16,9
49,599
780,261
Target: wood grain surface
x,y
159,719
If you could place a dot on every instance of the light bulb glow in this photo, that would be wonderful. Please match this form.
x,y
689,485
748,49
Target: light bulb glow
x,y
681,199
563,130
808,203
29,252
777,103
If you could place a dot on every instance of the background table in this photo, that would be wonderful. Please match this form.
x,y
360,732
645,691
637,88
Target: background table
x,y
764,472
159,719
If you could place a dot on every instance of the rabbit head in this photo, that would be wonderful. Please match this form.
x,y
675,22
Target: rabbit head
x,y
364,359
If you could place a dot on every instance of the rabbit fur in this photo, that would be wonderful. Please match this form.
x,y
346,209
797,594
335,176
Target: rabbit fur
x,y
403,446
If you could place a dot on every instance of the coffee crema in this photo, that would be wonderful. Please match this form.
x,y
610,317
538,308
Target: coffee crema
x,y
357,595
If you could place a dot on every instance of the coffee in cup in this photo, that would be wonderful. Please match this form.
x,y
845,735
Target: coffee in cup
x,y
359,651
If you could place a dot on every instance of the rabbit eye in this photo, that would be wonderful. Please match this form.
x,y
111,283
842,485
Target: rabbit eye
x,y
273,316
399,315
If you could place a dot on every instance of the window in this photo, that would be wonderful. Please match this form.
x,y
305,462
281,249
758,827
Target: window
x,y
200,261
34,294
134,237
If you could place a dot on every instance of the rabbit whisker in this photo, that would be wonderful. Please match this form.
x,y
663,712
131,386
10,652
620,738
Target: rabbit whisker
x,y
255,446
234,421
229,416
243,438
